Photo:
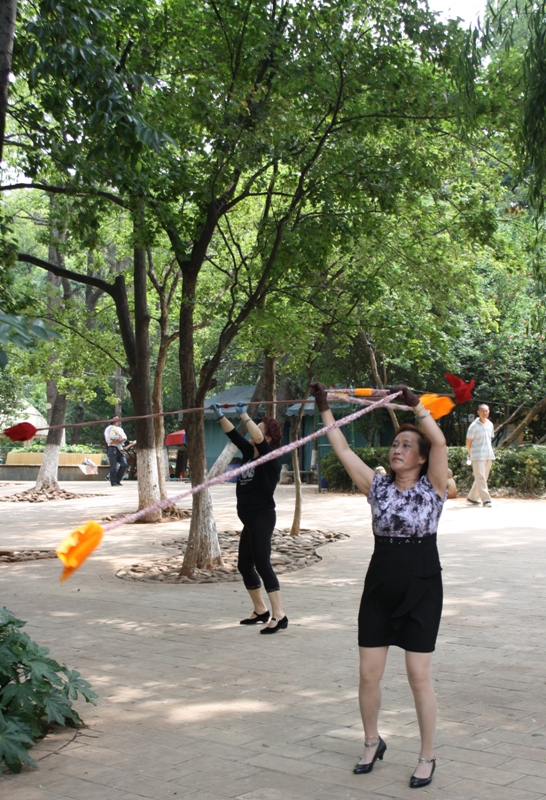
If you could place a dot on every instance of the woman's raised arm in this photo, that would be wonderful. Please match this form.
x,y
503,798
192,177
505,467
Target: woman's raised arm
x,y
361,474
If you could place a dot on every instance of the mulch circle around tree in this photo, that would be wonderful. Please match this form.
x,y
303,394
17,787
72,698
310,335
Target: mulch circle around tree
x,y
288,554
35,496
169,514
16,556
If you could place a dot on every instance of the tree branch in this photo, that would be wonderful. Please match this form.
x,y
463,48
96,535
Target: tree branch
x,y
68,190
61,272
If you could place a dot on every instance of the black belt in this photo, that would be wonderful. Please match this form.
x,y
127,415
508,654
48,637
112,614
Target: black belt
x,y
402,541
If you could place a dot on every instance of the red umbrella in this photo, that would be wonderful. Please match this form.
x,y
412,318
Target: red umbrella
x,y
178,437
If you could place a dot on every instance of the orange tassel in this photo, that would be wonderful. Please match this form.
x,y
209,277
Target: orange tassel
x,y
77,546
437,405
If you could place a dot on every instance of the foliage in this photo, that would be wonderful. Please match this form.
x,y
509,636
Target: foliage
x,y
64,448
34,690
520,470
338,479
23,332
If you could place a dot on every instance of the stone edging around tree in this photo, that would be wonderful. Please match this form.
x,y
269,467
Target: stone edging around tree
x,y
288,554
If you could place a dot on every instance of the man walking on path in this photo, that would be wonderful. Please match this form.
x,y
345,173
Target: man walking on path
x,y
115,439
480,451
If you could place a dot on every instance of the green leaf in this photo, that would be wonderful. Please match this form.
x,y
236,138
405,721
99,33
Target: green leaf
x,y
13,745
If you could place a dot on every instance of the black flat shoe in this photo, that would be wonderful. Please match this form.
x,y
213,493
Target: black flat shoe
x,y
255,619
417,783
363,769
281,624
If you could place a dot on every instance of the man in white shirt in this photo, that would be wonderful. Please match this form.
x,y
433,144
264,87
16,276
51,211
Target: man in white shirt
x,y
115,439
480,451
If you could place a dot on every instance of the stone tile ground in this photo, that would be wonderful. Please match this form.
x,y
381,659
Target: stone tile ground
x,y
192,705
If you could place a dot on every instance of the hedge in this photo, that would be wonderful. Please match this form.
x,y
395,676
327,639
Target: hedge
x,y
520,470
64,448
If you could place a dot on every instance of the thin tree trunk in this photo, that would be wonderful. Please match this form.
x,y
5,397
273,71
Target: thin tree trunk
x,y
296,522
141,394
270,386
375,373
529,417
118,389
80,413
8,13
203,549
508,420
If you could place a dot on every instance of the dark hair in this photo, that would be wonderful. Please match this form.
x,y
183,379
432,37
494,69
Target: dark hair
x,y
273,430
422,441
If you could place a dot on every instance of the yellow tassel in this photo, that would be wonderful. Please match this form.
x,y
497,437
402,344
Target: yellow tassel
x,y
77,546
438,405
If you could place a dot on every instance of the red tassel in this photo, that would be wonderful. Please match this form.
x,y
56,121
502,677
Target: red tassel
x,y
21,432
463,390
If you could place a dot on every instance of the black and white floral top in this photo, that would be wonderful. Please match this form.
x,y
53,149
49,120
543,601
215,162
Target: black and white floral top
x,y
414,512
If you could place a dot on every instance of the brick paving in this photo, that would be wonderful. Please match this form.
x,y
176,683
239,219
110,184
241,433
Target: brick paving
x,y
192,705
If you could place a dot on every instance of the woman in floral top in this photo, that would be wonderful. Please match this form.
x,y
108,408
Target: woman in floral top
x,y
402,599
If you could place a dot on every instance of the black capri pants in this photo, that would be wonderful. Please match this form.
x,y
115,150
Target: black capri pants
x,y
255,548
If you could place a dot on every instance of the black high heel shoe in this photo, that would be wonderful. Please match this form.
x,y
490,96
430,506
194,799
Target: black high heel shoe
x,y
281,624
363,769
254,620
417,783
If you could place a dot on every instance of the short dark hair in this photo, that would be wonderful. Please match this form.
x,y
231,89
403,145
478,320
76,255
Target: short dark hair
x,y
273,430
423,442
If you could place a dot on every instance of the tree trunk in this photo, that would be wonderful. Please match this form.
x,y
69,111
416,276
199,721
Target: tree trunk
x,y
537,409
375,372
141,394
157,405
284,393
76,432
296,522
118,389
203,549
8,12
270,386
47,476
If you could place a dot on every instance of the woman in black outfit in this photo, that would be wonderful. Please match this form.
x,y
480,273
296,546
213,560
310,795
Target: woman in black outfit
x,y
402,599
256,510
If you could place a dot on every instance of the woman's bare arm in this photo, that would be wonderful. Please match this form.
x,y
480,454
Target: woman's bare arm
x,y
252,428
437,460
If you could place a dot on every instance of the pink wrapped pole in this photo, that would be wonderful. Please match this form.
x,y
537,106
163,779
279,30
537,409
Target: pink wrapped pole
x,y
280,451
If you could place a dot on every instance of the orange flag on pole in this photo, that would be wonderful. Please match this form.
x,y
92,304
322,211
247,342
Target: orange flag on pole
x,y
77,546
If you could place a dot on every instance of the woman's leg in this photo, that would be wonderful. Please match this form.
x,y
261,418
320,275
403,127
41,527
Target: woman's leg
x,y
245,565
276,606
258,601
372,667
418,668
261,532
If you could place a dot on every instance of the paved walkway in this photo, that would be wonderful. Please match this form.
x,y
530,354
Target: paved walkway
x,y
192,705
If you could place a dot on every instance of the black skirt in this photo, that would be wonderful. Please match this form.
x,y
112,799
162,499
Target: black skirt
x,y
402,600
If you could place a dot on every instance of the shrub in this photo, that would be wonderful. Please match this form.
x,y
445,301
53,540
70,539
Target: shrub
x,y
520,470
65,448
34,691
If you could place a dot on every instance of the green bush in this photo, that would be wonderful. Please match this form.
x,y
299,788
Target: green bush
x,y
65,448
515,470
34,691
334,472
